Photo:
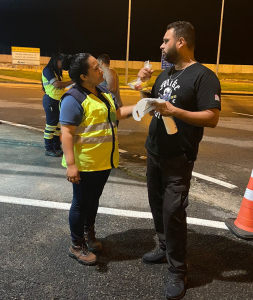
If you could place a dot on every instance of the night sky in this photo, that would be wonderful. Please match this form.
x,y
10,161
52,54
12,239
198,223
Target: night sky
x,y
100,26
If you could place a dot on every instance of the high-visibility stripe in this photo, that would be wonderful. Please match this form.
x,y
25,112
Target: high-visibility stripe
x,y
248,194
50,128
93,140
49,82
48,135
52,80
94,127
57,133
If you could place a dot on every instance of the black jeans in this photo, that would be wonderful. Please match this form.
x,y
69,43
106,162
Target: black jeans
x,y
85,202
168,183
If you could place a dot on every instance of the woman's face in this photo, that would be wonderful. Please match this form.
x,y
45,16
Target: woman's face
x,y
59,64
95,73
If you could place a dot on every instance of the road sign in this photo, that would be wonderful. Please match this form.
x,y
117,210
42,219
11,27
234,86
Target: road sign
x,y
25,56
165,64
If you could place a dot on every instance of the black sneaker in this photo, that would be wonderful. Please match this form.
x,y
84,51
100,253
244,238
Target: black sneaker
x,y
52,153
157,256
176,287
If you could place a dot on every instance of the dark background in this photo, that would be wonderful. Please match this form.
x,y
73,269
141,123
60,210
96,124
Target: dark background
x,y
100,26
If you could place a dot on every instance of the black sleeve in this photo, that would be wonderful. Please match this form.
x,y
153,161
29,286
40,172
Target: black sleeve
x,y
208,92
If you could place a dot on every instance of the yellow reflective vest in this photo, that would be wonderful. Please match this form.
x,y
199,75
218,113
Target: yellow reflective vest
x,y
50,90
95,139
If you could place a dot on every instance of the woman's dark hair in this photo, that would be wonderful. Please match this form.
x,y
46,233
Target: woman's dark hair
x,y
65,61
79,65
53,64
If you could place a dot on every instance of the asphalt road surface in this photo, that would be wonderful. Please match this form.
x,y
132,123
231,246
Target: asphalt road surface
x,y
34,238
225,152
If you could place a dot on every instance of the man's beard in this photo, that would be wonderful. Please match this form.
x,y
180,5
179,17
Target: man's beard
x,y
171,56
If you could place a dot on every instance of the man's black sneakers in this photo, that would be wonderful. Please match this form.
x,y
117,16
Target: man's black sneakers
x,y
176,286
157,256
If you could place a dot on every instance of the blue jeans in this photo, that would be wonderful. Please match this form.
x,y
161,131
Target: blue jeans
x,y
85,202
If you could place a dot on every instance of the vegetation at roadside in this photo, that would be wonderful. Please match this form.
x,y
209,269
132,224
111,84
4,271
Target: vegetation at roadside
x,y
236,86
225,85
21,74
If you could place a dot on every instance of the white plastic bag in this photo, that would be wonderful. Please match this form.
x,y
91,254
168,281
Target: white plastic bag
x,y
137,84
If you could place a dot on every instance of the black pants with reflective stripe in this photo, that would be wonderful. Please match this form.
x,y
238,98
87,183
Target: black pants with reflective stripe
x,y
86,195
52,130
168,183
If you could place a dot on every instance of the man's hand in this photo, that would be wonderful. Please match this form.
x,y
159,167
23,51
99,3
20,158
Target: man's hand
x,y
165,108
145,74
73,174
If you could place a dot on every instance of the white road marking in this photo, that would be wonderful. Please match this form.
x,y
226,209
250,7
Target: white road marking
x,y
106,211
217,181
22,126
242,114
204,177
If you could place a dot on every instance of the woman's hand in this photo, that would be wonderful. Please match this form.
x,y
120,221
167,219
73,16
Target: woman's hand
x,y
73,174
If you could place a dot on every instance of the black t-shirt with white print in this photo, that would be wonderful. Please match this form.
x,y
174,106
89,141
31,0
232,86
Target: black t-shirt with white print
x,y
195,88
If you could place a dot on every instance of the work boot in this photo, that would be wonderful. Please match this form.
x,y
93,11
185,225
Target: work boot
x,y
59,151
52,153
157,256
90,239
176,286
82,254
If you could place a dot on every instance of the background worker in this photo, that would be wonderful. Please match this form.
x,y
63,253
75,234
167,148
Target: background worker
x,y
111,77
192,96
54,89
89,138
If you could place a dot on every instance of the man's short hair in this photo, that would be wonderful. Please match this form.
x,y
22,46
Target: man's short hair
x,y
185,30
105,59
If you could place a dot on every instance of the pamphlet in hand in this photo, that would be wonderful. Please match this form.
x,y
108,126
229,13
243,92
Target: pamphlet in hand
x,y
145,105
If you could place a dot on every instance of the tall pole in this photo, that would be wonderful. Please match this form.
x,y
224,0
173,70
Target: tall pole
x,y
218,54
128,37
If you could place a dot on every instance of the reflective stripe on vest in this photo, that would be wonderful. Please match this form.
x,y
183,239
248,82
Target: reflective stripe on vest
x,y
50,90
95,139
94,127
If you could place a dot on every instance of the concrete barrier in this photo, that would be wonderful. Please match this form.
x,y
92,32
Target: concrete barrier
x,y
6,62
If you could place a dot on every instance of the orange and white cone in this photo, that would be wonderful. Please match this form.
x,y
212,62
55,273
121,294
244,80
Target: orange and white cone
x,y
242,227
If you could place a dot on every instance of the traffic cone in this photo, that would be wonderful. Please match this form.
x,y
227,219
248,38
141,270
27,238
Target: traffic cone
x,y
242,227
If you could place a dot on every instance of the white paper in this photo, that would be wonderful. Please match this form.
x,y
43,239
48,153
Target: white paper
x,y
145,105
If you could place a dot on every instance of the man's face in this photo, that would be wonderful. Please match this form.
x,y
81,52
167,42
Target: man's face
x,y
168,47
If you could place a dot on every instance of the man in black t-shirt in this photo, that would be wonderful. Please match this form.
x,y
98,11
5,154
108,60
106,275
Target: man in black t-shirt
x,y
192,97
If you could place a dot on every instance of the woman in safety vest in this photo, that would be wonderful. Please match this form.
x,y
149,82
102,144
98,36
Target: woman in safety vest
x,y
54,89
88,117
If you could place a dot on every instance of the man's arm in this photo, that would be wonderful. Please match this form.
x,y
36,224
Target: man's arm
x,y
111,79
205,118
